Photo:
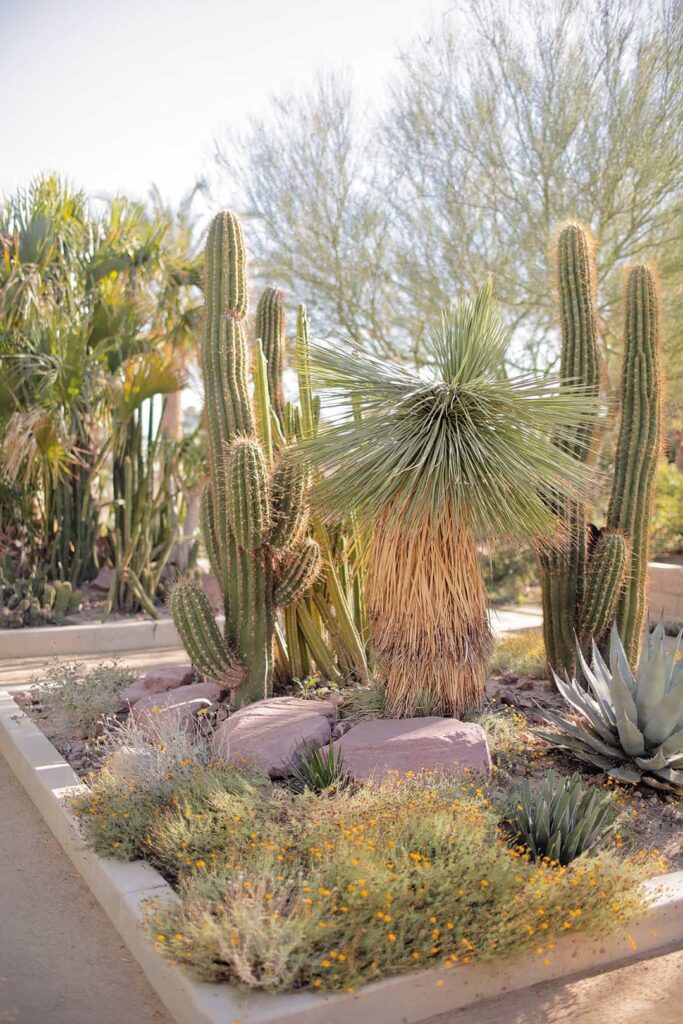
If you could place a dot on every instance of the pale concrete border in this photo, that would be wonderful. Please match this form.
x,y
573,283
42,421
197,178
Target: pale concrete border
x,y
90,638
122,889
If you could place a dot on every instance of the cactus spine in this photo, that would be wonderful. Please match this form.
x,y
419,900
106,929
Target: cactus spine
x,y
583,591
250,562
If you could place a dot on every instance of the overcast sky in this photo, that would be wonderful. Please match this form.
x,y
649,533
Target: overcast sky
x,y
121,94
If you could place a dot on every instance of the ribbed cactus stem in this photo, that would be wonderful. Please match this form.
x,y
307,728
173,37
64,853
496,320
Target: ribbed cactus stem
x,y
288,508
638,448
304,371
270,329
297,573
248,498
564,565
196,625
604,584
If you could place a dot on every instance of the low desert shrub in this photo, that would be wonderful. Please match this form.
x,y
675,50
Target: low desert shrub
x,y
81,697
283,891
523,653
505,734
380,881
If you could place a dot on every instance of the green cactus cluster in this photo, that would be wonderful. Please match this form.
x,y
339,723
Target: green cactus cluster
x,y
33,601
591,577
253,507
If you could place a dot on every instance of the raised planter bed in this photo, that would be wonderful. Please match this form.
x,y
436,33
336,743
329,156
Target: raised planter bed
x,y
124,889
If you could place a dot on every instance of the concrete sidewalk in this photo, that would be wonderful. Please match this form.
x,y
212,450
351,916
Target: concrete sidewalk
x,y
61,962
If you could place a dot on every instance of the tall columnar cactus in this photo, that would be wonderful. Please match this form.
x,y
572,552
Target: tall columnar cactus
x,y
270,328
585,586
251,510
638,448
564,566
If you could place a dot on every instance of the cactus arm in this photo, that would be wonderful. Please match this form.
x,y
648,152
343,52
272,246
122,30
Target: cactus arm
x,y
303,371
264,411
201,638
248,497
297,573
638,448
270,329
603,586
289,510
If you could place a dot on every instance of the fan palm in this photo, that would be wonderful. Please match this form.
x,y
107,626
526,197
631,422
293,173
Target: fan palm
x,y
430,463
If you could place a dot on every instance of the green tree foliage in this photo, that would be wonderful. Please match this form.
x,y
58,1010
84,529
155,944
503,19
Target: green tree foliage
x,y
502,121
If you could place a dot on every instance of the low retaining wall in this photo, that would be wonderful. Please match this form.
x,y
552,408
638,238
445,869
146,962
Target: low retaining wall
x,y
123,889
665,593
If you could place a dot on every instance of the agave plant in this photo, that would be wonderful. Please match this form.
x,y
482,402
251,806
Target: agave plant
x,y
633,721
429,462
562,821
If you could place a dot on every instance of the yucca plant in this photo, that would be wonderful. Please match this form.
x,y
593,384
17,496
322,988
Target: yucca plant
x,y
633,721
318,771
428,463
562,821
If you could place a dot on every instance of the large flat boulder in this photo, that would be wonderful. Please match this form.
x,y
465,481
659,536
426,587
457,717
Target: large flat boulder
x,y
270,733
386,745
158,680
183,704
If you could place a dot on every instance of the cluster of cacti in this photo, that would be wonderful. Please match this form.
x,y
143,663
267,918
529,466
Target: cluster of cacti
x,y
324,629
144,534
32,601
633,720
253,513
591,577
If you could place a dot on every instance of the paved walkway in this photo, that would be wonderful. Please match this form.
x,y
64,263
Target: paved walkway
x,y
61,962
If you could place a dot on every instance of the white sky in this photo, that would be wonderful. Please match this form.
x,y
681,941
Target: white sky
x,y
121,94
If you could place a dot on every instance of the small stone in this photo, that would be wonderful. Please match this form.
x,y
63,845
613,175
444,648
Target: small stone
x,y
492,689
158,680
270,733
525,685
341,728
183,703
382,746
102,581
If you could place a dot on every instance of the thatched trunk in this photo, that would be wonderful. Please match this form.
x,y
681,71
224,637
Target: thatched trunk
x,y
428,612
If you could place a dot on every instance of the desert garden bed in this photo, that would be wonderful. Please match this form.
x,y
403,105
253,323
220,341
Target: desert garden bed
x,y
332,882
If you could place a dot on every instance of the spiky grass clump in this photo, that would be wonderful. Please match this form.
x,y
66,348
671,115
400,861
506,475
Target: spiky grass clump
x,y
318,771
428,463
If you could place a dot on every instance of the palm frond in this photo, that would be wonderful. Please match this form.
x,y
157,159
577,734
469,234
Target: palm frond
x,y
462,438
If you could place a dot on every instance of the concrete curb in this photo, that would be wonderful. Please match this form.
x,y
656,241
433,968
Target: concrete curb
x,y
123,889
93,638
